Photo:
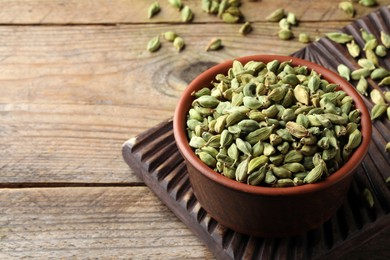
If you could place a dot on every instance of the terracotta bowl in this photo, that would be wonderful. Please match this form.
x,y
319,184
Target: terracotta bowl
x,y
268,211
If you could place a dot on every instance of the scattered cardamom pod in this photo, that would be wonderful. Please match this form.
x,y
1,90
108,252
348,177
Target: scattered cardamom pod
x,y
378,110
344,71
229,18
353,49
186,14
385,38
176,4
379,73
385,81
276,15
377,97
154,44
368,3
214,44
362,86
304,38
285,34
366,35
170,36
368,198
348,8
387,150
153,9
246,28
381,51
292,19
339,37
178,43
358,73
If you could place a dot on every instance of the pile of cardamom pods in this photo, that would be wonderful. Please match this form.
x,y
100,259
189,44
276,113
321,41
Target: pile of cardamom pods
x,y
273,124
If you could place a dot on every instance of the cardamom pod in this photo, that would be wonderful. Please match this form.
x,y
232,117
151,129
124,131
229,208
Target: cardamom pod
x,y
368,3
366,35
377,97
206,101
339,37
381,51
378,110
243,146
257,177
242,171
344,71
207,159
291,18
296,129
304,38
380,73
186,14
368,198
385,38
314,175
366,63
370,45
178,43
285,34
260,134
385,81
276,15
176,4
256,163
153,9
246,28
154,44
286,182
214,44
348,8
354,140
358,73
281,172
301,94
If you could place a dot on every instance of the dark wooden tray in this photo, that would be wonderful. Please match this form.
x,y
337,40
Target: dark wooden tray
x,y
154,157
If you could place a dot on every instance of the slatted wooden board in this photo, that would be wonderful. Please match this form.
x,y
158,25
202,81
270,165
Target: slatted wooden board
x,y
154,157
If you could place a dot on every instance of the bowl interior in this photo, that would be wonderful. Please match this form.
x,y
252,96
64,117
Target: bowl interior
x,y
204,79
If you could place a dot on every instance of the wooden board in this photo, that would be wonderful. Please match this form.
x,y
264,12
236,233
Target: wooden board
x,y
99,223
155,158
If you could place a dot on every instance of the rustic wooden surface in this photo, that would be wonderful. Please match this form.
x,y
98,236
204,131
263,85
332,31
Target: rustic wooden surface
x,y
76,82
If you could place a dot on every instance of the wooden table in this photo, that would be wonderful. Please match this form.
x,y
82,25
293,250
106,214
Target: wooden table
x,y
76,82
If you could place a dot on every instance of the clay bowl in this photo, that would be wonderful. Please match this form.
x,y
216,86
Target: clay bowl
x,y
268,211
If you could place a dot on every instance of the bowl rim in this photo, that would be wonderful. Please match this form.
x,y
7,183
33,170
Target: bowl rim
x,y
348,168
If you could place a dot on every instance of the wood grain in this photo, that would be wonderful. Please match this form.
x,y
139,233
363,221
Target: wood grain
x,y
135,11
92,222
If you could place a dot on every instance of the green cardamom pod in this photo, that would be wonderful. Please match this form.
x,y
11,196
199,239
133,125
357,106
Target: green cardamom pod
x,y
226,138
358,73
233,152
378,110
296,129
365,63
385,81
377,97
329,154
246,28
379,73
284,24
257,149
381,51
339,37
206,101
371,44
229,18
276,15
294,167
368,3
176,3
366,35
248,125
170,36
344,71
281,172
385,38
257,177
260,134
286,182
354,140
304,38
387,150
197,142
368,197
269,149
293,156
362,86
348,8
370,54
207,159
214,44
269,177
256,163
153,9
243,146
314,175
285,34
186,14
229,172
292,19
178,43
154,44
242,171
301,94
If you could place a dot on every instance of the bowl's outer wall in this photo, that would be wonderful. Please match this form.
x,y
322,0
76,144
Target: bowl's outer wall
x,y
267,216
265,211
